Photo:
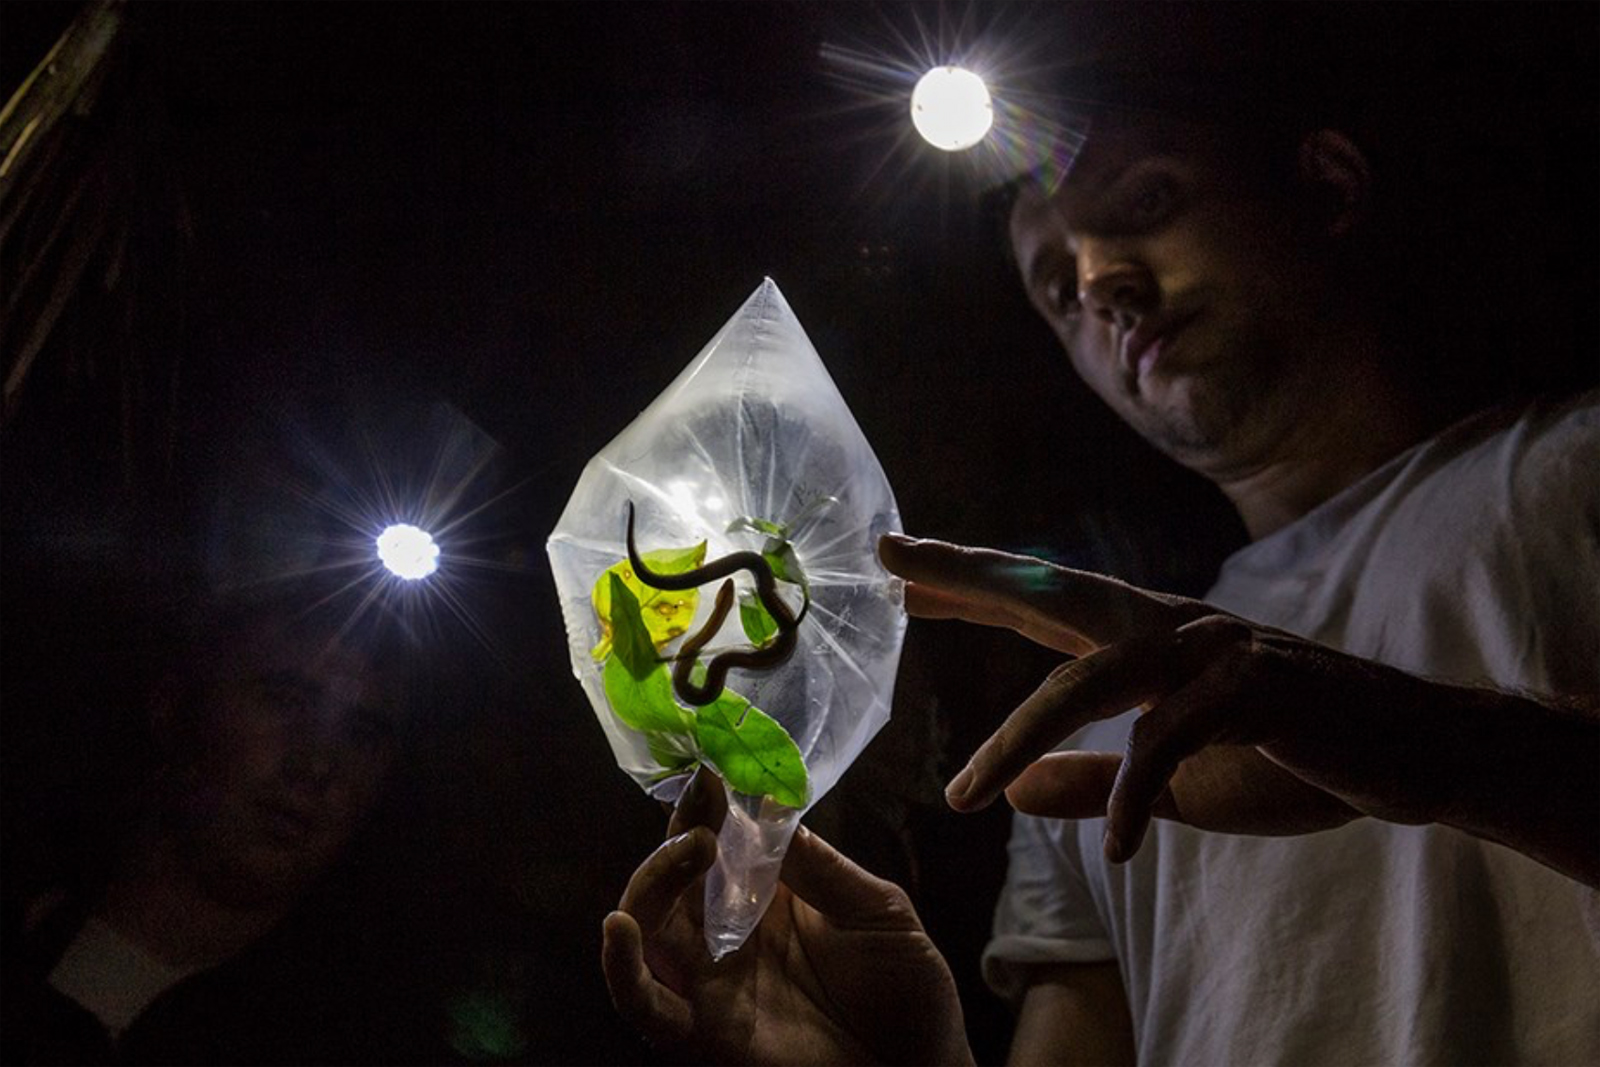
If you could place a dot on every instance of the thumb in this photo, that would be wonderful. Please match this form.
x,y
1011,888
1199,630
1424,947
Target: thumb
x,y
847,894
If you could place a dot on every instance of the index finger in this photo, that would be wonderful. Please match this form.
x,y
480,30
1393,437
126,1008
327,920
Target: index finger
x,y
1098,686
1072,610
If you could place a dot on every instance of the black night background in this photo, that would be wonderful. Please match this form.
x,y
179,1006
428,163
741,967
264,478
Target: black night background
x,y
515,223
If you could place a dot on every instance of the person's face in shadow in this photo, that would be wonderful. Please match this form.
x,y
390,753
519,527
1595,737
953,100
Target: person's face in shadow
x,y
1181,293
281,752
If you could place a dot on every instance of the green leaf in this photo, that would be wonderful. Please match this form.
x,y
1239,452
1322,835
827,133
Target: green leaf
x,y
666,614
765,526
751,750
759,625
673,752
646,703
785,564
629,634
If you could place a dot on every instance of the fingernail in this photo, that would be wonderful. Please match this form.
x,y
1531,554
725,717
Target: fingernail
x,y
957,789
900,538
1112,845
684,854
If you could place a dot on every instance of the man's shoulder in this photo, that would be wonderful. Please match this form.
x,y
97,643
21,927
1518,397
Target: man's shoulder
x,y
1508,489
1512,467
1457,559
1492,468
1543,430
1488,466
1559,444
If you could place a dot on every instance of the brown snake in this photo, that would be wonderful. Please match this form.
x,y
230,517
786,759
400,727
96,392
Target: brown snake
x,y
780,649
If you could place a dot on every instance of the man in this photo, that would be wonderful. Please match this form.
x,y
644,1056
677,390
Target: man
x,y
1410,576
275,736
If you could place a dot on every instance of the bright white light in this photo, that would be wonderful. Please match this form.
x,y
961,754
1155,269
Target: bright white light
x,y
408,551
950,107
686,497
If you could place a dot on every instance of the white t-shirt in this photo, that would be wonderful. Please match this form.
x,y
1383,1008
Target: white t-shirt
x,y
113,977
1474,557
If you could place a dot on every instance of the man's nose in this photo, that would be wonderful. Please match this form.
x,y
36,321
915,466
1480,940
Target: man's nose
x,y
1120,293
312,756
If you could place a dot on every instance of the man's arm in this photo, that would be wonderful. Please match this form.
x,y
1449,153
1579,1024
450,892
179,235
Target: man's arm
x,y
1073,1015
1231,705
1503,766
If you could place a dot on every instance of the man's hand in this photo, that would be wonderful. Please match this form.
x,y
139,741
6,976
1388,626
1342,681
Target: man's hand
x,y
839,970
1246,729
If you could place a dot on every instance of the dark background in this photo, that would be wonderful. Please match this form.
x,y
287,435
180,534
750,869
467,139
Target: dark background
x,y
514,223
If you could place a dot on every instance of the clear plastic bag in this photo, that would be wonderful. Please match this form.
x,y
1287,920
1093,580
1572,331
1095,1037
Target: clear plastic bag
x,y
750,449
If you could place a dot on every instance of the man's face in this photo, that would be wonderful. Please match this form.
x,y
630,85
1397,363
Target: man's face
x,y
291,743
1181,292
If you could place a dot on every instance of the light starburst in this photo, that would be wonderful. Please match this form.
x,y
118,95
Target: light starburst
x,y
1014,49
396,524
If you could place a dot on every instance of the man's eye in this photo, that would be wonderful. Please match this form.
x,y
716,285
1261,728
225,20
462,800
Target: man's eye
x,y
1152,201
1061,294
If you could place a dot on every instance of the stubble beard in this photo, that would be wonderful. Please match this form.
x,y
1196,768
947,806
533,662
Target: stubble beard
x,y
1202,417
1212,418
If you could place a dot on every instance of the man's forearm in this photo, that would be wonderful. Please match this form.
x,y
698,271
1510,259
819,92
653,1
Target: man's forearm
x,y
1074,1013
1518,770
1525,773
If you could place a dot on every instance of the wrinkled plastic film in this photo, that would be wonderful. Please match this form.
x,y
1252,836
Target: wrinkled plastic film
x,y
752,427
750,849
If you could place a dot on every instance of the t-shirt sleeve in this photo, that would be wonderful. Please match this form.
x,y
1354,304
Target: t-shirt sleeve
x,y
1046,913
1553,537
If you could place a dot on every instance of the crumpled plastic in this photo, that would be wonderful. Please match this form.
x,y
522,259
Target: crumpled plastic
x,y
753,428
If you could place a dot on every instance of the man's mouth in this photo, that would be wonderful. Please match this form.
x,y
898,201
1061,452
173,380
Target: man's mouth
x,y
286,822
1143,347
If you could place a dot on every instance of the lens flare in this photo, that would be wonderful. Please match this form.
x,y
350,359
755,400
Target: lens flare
x,y
391,511
1002,66
951,108
408,551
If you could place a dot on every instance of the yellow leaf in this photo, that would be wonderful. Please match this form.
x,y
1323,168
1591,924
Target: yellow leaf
x,y
666,614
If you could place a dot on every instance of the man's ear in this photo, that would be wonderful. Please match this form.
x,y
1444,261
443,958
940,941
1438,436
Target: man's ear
x,y
1337,172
